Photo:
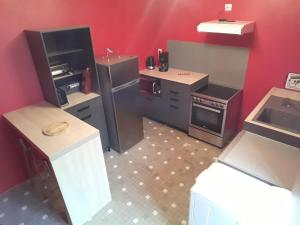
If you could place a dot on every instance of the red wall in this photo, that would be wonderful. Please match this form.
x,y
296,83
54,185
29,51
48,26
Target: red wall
x,y
139,27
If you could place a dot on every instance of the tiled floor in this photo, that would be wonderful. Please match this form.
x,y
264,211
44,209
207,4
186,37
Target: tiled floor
x,y
150,183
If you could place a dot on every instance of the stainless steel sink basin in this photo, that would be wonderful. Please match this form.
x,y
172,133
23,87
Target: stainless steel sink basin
x,y
280,119
277,116
282,113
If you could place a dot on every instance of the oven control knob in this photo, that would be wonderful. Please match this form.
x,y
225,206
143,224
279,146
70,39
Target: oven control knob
x,y
198,99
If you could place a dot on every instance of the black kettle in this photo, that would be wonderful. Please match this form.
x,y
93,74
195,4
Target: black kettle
x,y
150,63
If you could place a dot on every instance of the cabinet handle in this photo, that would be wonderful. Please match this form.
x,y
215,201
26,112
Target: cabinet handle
x,y
174,92
83,108
174,99
174,106
86,117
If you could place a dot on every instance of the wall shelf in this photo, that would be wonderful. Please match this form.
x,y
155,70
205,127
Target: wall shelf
x,y
64,52
227,27
60,77
72,47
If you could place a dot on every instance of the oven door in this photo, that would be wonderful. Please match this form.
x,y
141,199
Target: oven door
x,y
208,118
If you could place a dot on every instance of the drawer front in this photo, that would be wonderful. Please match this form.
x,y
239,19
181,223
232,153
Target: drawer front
x,y
91,117
84,108
92,113
88,111
174,90
178,116
153,107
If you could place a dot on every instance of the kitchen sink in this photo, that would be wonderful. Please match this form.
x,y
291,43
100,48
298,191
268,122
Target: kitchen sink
x,y
282,113
280,119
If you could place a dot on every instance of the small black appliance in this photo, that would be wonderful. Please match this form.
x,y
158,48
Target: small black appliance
x,y
163,61
150,63
62,96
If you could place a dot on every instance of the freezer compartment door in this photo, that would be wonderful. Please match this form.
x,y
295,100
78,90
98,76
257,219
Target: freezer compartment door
x,y
128,116
124,72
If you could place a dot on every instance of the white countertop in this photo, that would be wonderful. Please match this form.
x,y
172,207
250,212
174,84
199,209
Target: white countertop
x,y
31,120
269,160
79,97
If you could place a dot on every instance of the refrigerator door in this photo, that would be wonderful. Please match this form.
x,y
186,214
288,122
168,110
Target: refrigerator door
x,y
124,72
128,119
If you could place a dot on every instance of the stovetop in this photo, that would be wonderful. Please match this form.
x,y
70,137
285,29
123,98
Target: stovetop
x,y
216,91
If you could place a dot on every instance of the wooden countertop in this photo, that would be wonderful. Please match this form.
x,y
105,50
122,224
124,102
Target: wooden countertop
x,y
176,75
113,59
284,93
79,97
31,120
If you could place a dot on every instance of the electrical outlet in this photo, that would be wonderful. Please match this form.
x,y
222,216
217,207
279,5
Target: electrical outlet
x,y
293,81
228,7
159,50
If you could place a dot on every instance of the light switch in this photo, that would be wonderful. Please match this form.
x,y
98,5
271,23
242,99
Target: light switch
x,y
228,7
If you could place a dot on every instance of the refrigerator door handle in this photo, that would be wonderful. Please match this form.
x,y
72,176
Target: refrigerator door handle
x,y
123,86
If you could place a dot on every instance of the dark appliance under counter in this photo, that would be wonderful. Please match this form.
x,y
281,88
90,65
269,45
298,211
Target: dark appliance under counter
x,y
215,113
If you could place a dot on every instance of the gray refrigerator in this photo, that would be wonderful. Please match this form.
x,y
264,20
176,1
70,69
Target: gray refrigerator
x,y
119,82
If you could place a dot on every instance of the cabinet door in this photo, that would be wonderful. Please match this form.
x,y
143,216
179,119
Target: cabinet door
x,y
127,116
92,113
153,107
177,99
178,116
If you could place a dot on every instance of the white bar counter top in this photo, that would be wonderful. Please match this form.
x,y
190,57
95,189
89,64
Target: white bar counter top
x,y
31,120
75,155
266,159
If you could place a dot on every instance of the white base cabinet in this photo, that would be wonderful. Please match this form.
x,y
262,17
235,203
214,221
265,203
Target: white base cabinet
x,y
82,179
225,196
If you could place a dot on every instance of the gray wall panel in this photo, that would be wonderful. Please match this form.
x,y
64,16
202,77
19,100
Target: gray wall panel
x,y
226,65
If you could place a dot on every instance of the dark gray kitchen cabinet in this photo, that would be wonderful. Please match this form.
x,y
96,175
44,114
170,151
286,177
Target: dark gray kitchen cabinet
x,y
172,106
60,57
92,113
153,107
176,97
69,49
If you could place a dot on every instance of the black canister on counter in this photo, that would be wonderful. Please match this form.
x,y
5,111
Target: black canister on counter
x,y
150,63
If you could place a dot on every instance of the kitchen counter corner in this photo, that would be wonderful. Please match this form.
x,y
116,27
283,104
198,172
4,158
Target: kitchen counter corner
x,y
175,75
31,120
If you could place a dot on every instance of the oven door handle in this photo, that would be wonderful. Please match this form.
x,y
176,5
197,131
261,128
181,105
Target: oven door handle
x,y
207,108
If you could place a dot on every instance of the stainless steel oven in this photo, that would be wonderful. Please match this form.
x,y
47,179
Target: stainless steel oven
x,y
208,115
215,113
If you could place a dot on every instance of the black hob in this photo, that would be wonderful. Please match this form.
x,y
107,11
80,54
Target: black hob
x,y
217,91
